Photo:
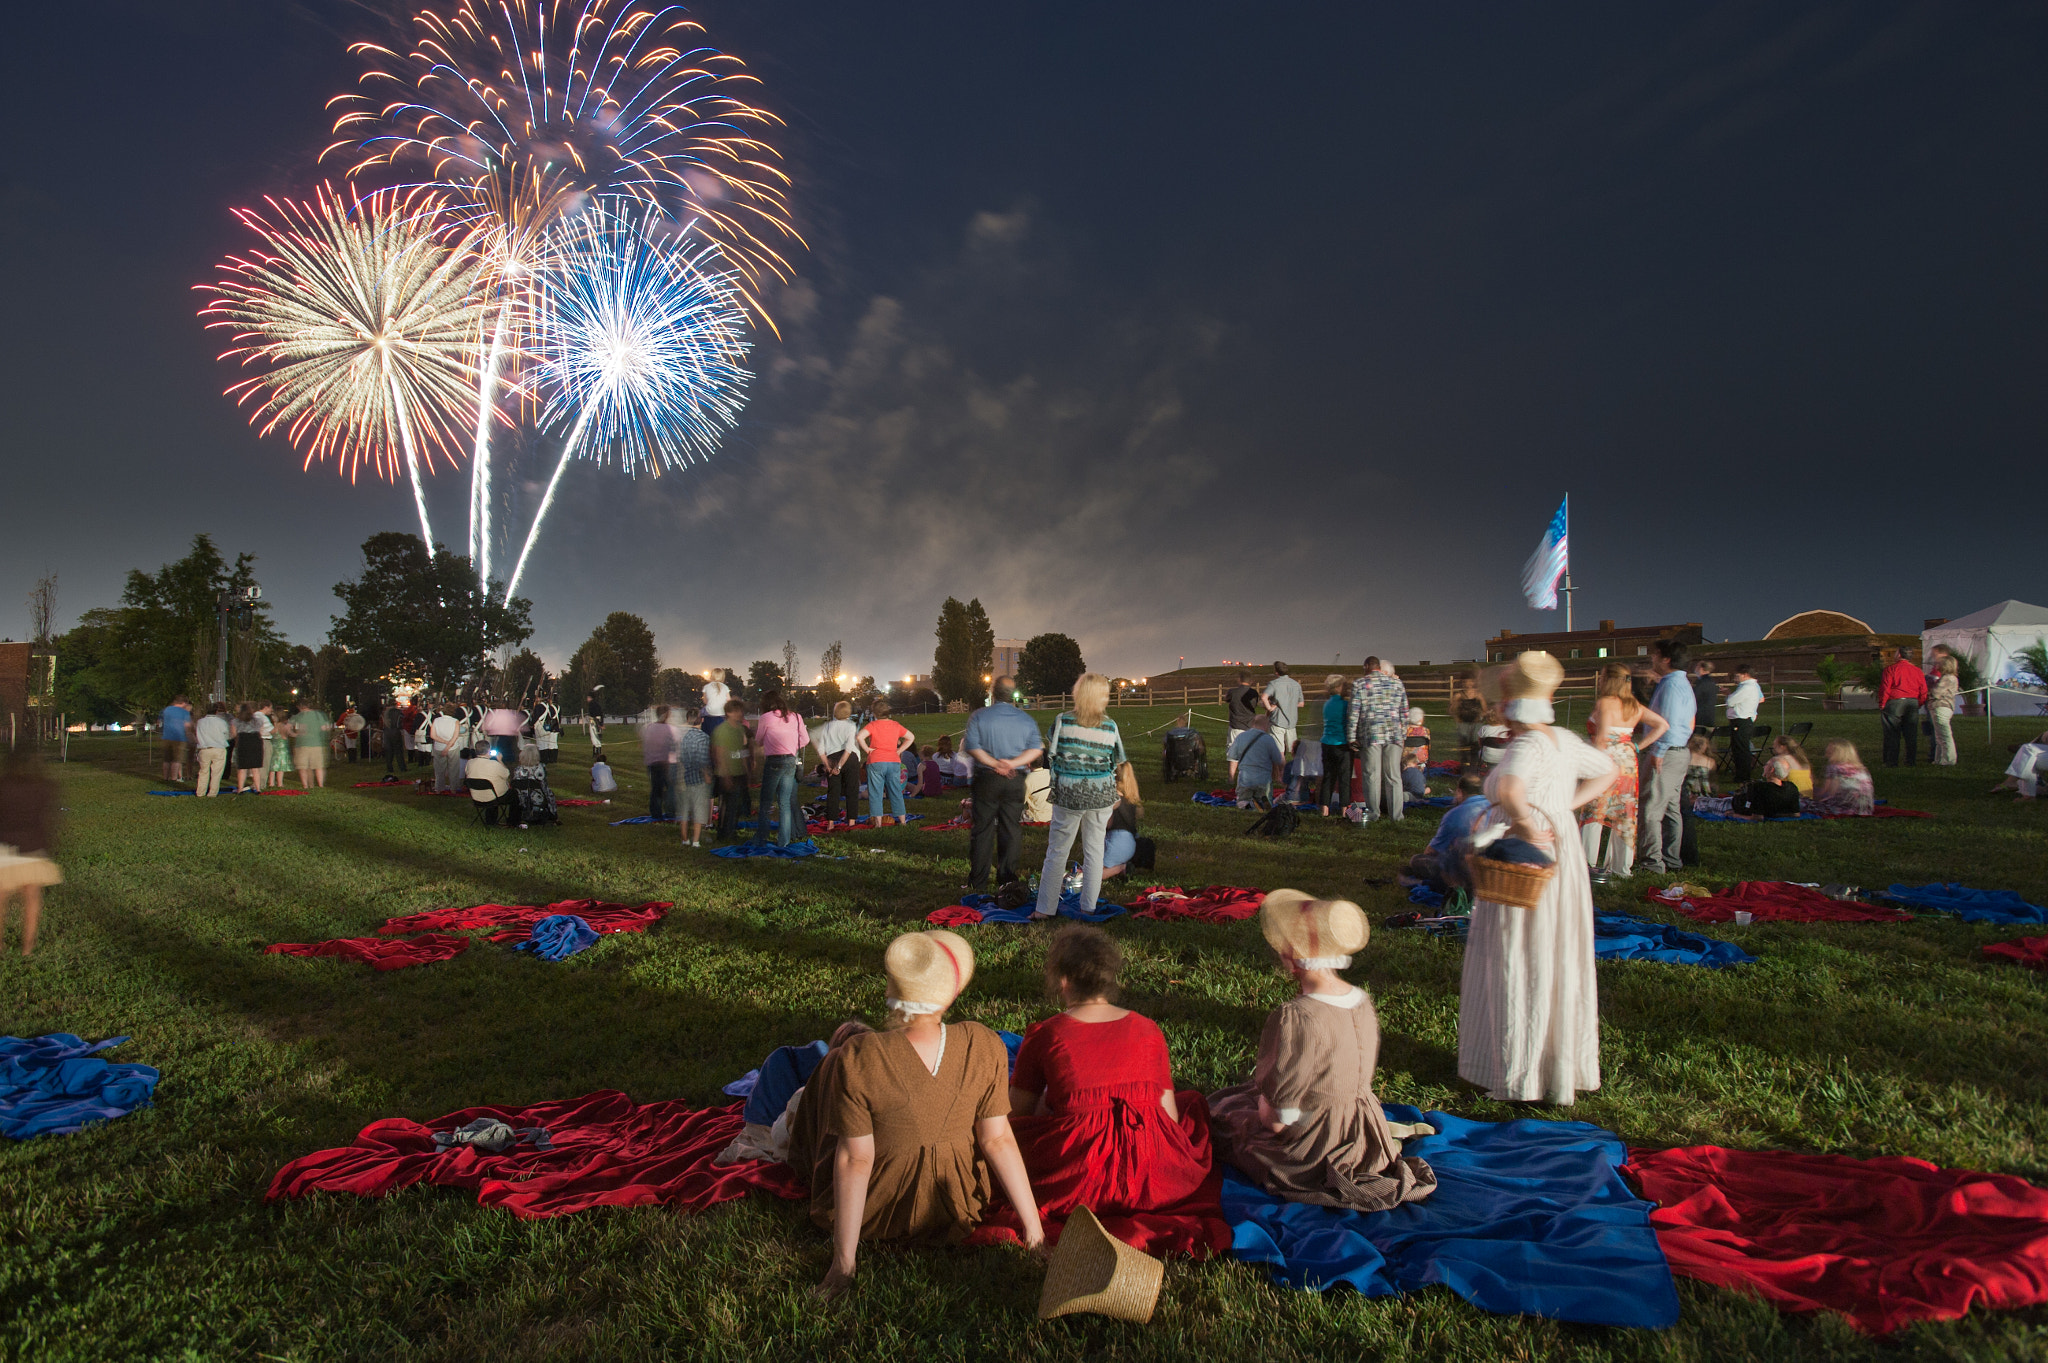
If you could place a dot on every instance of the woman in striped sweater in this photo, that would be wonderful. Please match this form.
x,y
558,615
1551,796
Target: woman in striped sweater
x,y
1084,753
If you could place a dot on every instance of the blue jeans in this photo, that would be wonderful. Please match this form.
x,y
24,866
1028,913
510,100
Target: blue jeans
x,y
1119,845
885,779
778,796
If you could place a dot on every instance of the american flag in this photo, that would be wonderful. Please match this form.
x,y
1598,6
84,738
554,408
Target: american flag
x,y
1549,562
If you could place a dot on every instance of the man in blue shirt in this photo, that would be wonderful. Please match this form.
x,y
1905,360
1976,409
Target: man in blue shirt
x,y
1004,742
1661,769
176,721
1429,865
1254,761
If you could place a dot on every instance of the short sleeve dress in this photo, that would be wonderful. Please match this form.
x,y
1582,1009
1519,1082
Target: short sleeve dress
x,y
1101,1140
929,1183
1315,1070
1529,1003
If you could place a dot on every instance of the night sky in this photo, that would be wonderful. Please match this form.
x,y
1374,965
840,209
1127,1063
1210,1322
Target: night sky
x,y
1219,331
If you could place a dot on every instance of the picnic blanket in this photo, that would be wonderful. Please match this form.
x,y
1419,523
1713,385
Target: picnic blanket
x,y
982,908
794,851
56,1084
1528,1217
1220,799
379,953
558,937
1621,937
1772,901
1972,906
173,792
521,918
565,800
643,818
1883,1241
1215,904
1432,802
2031,952
1880,810
603,1151
1715,815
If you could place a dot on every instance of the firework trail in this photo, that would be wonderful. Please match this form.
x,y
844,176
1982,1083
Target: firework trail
x,y
524,112
640,347
365,319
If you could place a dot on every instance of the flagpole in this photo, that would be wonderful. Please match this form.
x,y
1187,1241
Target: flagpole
x,y
1567,563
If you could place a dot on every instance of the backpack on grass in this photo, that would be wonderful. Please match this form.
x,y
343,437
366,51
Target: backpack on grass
x,y
1276,822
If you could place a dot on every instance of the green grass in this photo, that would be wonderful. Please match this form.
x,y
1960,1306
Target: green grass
x,y
148,1237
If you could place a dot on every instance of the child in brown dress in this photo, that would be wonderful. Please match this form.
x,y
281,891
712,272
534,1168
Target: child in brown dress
x,y
1308,1127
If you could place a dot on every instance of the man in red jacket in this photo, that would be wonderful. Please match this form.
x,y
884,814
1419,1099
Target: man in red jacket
x,y
1900,694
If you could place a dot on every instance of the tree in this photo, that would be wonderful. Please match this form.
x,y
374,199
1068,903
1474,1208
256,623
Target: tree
x,y
526,676
830,666
789,674
618,655
673,686
1049,665
762,677
965,652
163,637
423,617
89,687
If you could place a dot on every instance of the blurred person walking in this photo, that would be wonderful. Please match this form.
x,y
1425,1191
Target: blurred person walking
x,y
658,751
212,735
175,730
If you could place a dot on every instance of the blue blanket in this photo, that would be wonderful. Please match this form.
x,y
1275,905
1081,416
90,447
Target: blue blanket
x,y
1619,937
558,937
805,848
1200,797
1070,907
1972,906
644,818
1528,1218
173,792
1424,895
54,1085
788,1068
1433,802
1716,816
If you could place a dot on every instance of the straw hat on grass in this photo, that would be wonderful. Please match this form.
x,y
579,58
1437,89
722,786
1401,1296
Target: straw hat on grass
x,y
1091,1270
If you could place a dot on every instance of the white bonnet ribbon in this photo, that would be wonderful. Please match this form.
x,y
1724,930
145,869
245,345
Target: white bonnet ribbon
x,y
912,1008
1323,962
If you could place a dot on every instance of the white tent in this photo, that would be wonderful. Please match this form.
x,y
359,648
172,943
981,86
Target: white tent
x,y
1991,637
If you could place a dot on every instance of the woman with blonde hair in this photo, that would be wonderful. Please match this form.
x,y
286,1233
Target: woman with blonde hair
x,y
1941,710
1084,752
1845,790
1120,838
1335,790
899,1130
1528,1003
1613,726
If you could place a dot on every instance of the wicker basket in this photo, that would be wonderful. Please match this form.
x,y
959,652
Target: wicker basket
x,y
1507,882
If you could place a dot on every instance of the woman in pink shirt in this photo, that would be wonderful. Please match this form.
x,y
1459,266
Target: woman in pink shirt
x,y
779,737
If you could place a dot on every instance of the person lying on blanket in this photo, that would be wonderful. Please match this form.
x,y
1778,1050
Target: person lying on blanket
x,y
778,1091
899,1129
2029,760
1096,1115
1846,789
1308,1127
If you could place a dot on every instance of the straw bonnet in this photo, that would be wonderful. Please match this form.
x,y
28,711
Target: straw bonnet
x,y
1092,1270
1303,928
1534,674
930,968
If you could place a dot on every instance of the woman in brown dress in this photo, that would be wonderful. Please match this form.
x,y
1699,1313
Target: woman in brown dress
x,y
1308,1128
898,1129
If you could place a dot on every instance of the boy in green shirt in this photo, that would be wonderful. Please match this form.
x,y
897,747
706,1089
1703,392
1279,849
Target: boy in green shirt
x,y
732,750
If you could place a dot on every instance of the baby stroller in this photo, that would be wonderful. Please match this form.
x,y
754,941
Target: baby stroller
x,y
1184,756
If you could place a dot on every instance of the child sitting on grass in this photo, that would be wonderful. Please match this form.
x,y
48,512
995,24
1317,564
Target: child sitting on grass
x,y
1846,790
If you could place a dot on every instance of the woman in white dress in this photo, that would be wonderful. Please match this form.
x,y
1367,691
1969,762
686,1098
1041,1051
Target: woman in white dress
x,y
1529,1005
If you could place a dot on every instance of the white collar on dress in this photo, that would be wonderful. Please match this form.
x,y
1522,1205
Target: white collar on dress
x,y
1351,998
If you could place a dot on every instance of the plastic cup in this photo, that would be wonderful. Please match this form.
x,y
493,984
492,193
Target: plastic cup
x,y
1742,918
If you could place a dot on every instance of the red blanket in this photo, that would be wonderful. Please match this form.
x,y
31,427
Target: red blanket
x,y
1216,904
1884,812
1774,901
562,801
606,1152
954,916
1883,1241
381,953
2028,951
602,917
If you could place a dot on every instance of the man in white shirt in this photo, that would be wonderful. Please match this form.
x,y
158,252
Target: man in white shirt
x,y
213,733
445,733
1742,705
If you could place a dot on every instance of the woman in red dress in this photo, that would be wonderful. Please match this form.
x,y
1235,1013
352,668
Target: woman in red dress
x,y
1095,1114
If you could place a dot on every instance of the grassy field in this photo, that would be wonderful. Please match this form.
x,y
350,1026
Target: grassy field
x,y
148,1237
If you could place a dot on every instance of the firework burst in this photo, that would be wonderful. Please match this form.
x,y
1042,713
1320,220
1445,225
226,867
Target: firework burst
x,y
640,346
365,319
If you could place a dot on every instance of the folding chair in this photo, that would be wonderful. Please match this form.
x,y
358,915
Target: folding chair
x,y
483,798
1721,740
1798,732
